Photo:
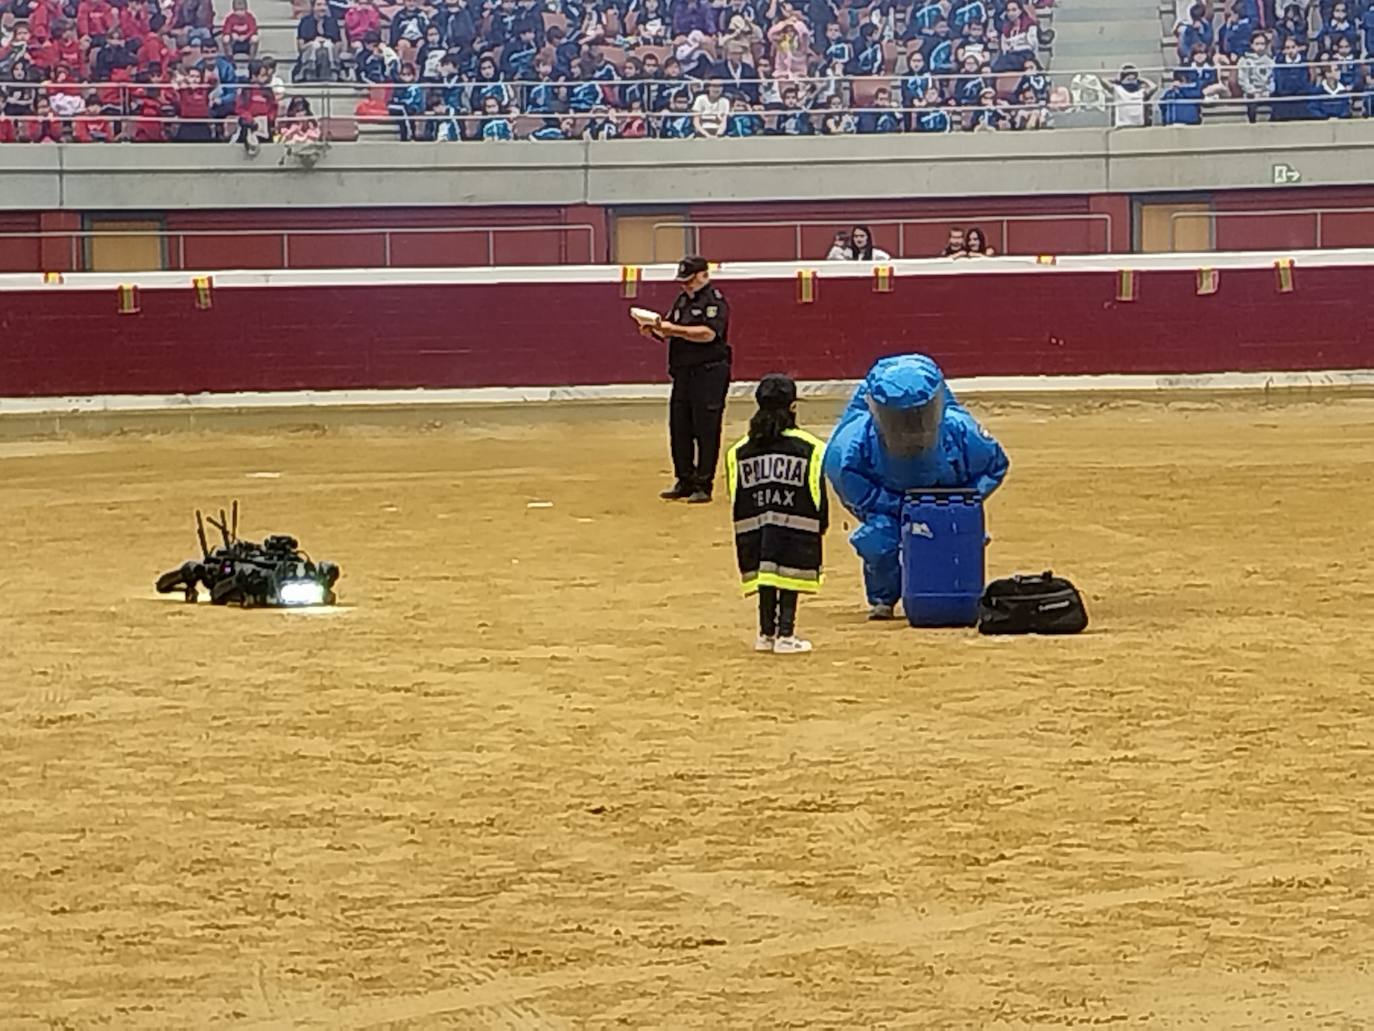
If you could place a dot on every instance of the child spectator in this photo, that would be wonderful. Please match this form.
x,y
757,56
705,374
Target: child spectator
x,y
1338,27
710,109
868,55
408,104
791,41
651,25
517,58
94,20
193,109
92,126
318,39
1233,41
679,123
543,96
1204,74
837,48
431,55
42,126
916,82
880,118
1292,84
362,20
408,30
378,63
1331,98
1255,71
1197,33
838,122
692,16
256,108
1367,28
239,34
299,124
940,53
635,125
743,122
188,16
933,116
1181,103
494,125
1029,112
64,94
67,51
986,115
1293,26
954,244
794,120
602,125
966,12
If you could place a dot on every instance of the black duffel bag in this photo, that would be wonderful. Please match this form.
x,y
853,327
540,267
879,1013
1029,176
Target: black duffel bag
x,y
1044,604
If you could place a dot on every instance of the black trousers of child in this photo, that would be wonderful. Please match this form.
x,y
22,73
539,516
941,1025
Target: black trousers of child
x,y
777,612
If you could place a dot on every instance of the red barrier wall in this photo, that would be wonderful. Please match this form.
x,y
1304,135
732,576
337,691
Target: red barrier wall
x,y
67,341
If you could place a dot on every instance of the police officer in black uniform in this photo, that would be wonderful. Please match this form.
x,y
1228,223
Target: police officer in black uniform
x,y
696,329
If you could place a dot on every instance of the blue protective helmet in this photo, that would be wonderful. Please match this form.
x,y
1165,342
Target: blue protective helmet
x,y
906,396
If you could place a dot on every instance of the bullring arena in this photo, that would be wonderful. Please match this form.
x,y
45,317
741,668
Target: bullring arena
x,y
529,774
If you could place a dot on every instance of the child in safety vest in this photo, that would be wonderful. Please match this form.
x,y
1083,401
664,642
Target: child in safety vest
x,y
781,513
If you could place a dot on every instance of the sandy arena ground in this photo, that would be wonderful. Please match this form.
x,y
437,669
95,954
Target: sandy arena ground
x,y
531,776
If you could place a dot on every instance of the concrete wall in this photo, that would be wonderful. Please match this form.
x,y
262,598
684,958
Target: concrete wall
x,y
1069,161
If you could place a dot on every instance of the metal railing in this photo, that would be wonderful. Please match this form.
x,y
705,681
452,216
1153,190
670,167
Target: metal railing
x,y
79,240
1319,215
692,230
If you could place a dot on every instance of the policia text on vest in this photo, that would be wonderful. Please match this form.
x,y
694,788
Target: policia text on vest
x,y
697,330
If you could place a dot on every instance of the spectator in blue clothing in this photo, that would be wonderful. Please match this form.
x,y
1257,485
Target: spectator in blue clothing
x,y
880,116
377,63
1367,28
1203,74
678,123
970,85
408,104
1181,103
933,115
794,120
565,52
1293,26
671,84
868,54
743,121
585,93
494,125
1337,28
408,27
1233,41
1348,65
504,24
431,55
966,11
739,77
601,126
1331,98
1292,84
837,121
923,18
987,117
549,130
1035,80
916,81
517,58
1197,32
488,84
456,25
837,48
939,50
544,96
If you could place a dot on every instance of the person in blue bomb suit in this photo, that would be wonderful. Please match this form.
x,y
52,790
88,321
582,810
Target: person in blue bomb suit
x,y
903,429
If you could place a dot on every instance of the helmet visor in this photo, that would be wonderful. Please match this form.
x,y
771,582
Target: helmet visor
x,y
908,432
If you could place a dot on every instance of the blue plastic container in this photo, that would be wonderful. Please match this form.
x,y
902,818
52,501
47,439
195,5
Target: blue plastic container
x,y
943,541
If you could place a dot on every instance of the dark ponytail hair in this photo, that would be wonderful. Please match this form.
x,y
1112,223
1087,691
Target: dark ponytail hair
x,y
775,395
768,424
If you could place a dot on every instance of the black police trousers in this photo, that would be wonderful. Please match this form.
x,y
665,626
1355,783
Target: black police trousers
x,y
777,612
695,412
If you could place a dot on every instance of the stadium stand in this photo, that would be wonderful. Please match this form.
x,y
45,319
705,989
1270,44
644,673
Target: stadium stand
x,y
305,71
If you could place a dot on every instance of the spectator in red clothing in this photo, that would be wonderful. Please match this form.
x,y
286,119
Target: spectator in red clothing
x,y
190,15
42,15
67,50
41,126
7,134
193,108
93,126
64,93
94,20
256,107
239,36
360,19
133,20
151,107
155,50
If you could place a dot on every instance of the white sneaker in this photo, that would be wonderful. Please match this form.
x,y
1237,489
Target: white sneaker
x,y
763,643
790,646
880,612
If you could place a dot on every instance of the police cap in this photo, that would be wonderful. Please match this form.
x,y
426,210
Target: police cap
x,y
691,265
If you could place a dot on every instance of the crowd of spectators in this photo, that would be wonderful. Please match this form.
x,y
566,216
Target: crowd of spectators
x,y
857,245
542,69
1309,61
